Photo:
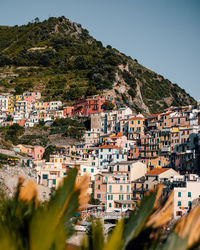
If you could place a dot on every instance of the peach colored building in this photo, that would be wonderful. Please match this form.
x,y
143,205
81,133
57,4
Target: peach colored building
x,y
136,127
36,152
100,188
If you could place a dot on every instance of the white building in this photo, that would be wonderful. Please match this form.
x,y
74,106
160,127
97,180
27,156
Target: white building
x,y
110,154
23,108
183,197
91,171
55,105
4,99
91,138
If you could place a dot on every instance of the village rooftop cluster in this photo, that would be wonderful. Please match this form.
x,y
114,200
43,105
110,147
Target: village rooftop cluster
x,y
124,153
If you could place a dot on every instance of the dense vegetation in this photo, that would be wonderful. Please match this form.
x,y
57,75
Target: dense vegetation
x,y
60,58
39,135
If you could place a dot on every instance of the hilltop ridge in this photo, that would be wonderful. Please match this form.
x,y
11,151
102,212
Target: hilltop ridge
x,y
60,59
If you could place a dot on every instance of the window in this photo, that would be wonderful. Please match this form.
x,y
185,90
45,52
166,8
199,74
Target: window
x,y
117,156
179,194
99,187
147,186
127,188
99,178
108,197
84,170
121,188
110,188
138,122
110,204
189,203
92,170
129,168
109,149
189,194
98,196
128,197
88,134
45,176
179,203
117,167
101,156
54,182
122,197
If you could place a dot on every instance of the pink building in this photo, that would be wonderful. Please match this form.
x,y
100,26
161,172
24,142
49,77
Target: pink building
x,y
36,152
68,111
179,120
91,105
31,96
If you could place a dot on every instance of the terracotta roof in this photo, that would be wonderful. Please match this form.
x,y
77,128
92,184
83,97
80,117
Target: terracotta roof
x,y
110,146
157,171
155,114
137,118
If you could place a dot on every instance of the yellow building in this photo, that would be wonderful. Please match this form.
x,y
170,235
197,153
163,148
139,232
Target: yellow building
x,y
12,101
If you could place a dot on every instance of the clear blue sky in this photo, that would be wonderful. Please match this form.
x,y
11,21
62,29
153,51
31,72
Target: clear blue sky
x,y
163,35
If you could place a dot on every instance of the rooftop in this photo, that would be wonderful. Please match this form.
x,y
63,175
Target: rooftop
x,y
157,171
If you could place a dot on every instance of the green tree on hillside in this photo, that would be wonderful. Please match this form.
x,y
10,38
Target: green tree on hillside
x,y
108,105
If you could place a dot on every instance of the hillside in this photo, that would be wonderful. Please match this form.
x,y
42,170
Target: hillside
x,y
61,60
